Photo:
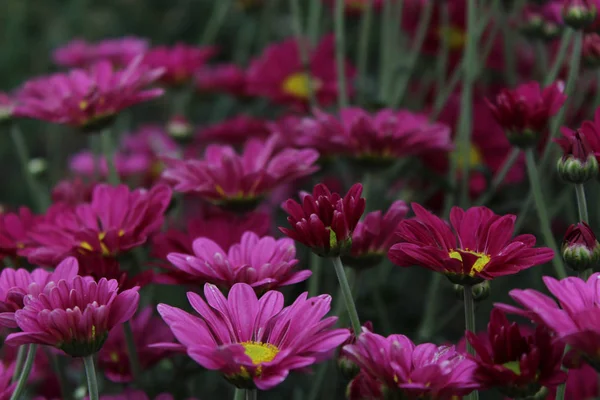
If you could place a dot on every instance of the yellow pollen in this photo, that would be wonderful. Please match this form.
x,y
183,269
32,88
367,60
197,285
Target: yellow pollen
x,y
86,246
219,189
121,232
482,260
101,236
514,366
298,85
114,356
83,105
453,35
260,352
475,157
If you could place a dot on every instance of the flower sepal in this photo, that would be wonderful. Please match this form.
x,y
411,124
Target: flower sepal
x,y
570,169
83,349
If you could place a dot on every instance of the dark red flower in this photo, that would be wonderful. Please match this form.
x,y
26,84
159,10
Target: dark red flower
x,y
580,248
14,231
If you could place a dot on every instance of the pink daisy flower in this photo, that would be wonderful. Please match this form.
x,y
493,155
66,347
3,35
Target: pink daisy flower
x,y
180,62
255,342
14,231
477,246
263,263
225,78
81,54
113,358
573,319
240,181
415,371
116,220
16,284
73,192
235,131
74,315
279,75
87,99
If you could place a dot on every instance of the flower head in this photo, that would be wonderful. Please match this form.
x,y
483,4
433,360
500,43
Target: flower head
x,y
573,320
240,181
113,358
373,237
226,78
524,112
115,221
580,248
278,73
81,54
590,130
324,222
87,99
74,315
578,163
590,51
478,246
517,363
579,13
14,231
73,192
375,140
255,342
179,62
235,131
7,107
263,263
543,21
422,371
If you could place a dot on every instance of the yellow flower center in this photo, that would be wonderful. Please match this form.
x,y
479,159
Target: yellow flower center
x,y
114,356
101,236
260,352
514,366
453,35
475,157
482,260
299,85
358,5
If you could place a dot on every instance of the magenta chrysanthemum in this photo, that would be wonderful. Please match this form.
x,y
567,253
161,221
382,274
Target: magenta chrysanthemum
x,y
324,222
233,180
263,263
235,131
255,342
226,78
479,245
116,220
278,73
81,54
573,320
179,62
113,358
16,284
377,139
74,315
14,231
415,371
87,99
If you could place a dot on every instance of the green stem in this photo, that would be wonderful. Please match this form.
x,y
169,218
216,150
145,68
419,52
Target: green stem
x,y
315,267
384,37
582,203
59,370
347,295
19,362
239,394
444,51
26,371
265,24
560,391
134,362
544,220
340,56
107,151
251,394
92,379
430,316
215,21
470,324
314,18
499,178
303,49
363,48
560,57
40,196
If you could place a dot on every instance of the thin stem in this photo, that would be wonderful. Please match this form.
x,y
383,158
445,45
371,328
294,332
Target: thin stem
x,y
347,295
134,362
340,59
363,48
239,394
582,203
466,101
384,37
470,324
265,25
59,370
40,196
251,394
499,178
107,151
26,371
560,391
215,21
536,189
560,57
92,379
303,49
314,18
444,51
316,267
19,362
430,315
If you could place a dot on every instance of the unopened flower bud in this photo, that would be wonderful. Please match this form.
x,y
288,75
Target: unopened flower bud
x,y
480,291
580,248
590,52
347,367
37,166
578,13
180,129
578,163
